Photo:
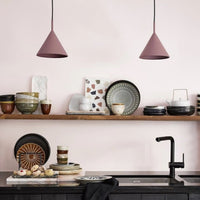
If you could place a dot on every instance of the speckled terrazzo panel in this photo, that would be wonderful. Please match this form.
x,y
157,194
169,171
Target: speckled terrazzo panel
x,y
95,90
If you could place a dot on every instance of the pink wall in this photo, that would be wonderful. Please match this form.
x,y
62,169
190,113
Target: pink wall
x,y
104,39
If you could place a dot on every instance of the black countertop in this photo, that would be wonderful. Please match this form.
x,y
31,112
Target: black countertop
x,y
64,187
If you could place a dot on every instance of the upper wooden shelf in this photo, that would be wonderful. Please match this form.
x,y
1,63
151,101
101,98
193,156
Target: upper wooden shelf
x,y
100,117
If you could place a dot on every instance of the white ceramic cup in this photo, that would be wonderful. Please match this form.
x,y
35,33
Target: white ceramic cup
x,y
118,108
84,104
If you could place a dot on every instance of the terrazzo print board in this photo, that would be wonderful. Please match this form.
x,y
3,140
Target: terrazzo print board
x,y
95,90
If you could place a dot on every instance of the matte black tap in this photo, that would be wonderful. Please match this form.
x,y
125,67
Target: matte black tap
x,y
172,164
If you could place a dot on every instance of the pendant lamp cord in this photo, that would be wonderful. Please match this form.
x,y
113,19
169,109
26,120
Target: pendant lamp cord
x,y
52,15
154,16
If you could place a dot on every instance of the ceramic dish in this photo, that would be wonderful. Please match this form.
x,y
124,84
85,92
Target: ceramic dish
x,y
75,102
70,172
92,179
38,145
65,167
155,107
177,110
7,97
151,110
30,154
123,92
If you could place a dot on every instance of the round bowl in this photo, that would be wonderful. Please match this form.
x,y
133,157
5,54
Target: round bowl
x,y
7,107
26,108
7,97
180,110
27,101
180,103
24,96
32,94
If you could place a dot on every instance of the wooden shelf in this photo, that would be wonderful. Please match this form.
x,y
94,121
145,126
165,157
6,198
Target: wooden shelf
x,y
99,117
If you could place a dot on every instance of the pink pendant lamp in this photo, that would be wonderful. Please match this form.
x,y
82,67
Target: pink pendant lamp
x,y
154,49
52,48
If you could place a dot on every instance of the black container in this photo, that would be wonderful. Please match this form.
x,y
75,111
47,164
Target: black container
x,y
7,97
180,110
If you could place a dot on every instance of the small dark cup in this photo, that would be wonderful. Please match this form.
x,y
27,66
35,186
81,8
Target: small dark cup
x,y
46,108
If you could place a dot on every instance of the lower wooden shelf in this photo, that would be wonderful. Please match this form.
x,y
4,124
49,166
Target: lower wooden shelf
x,y
99,117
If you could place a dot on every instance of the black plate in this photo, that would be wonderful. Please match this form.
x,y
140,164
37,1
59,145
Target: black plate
x,y
154,110
33,138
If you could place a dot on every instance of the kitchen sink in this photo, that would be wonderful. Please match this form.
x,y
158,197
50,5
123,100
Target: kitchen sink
x,y
131,180
191,178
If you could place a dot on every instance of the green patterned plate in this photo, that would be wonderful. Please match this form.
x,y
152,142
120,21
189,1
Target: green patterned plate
x,y
125,92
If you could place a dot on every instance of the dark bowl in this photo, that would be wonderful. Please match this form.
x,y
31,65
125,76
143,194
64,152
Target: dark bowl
x,y
7,97
7,107
180,110
26,108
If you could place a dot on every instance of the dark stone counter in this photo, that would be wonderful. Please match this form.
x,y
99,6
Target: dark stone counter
x,y
63,190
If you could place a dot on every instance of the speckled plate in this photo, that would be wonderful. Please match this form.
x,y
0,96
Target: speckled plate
x,y
92,179
123,92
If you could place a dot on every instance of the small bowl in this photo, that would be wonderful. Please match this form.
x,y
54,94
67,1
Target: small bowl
x,y
7,107
26,108
118,108
7,97
32,94
24,96
27,101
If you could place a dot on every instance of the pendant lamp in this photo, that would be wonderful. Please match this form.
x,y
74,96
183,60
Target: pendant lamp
x,y
52,48
154,49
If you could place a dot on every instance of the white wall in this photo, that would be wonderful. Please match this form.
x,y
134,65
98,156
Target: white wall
x,y
104,39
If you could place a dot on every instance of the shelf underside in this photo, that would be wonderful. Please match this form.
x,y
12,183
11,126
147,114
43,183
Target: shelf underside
x,y
100,117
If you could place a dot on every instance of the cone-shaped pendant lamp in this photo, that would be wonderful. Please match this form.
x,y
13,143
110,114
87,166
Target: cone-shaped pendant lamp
x,y
154,49
52,48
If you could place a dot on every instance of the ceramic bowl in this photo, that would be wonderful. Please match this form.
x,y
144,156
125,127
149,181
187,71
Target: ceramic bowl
x,y
178,110
27,101
31,94
26,108
180,103
7,97
23,96
7,107
118,108
46,101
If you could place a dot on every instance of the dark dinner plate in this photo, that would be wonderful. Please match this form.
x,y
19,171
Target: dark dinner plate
x,y
36,143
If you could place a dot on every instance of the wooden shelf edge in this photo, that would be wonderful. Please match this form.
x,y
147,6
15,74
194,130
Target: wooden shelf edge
x,y
99,117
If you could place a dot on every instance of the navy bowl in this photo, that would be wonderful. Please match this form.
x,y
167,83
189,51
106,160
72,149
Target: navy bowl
x,y
7,97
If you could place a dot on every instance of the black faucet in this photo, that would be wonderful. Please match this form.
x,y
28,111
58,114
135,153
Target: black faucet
x,y
172,164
